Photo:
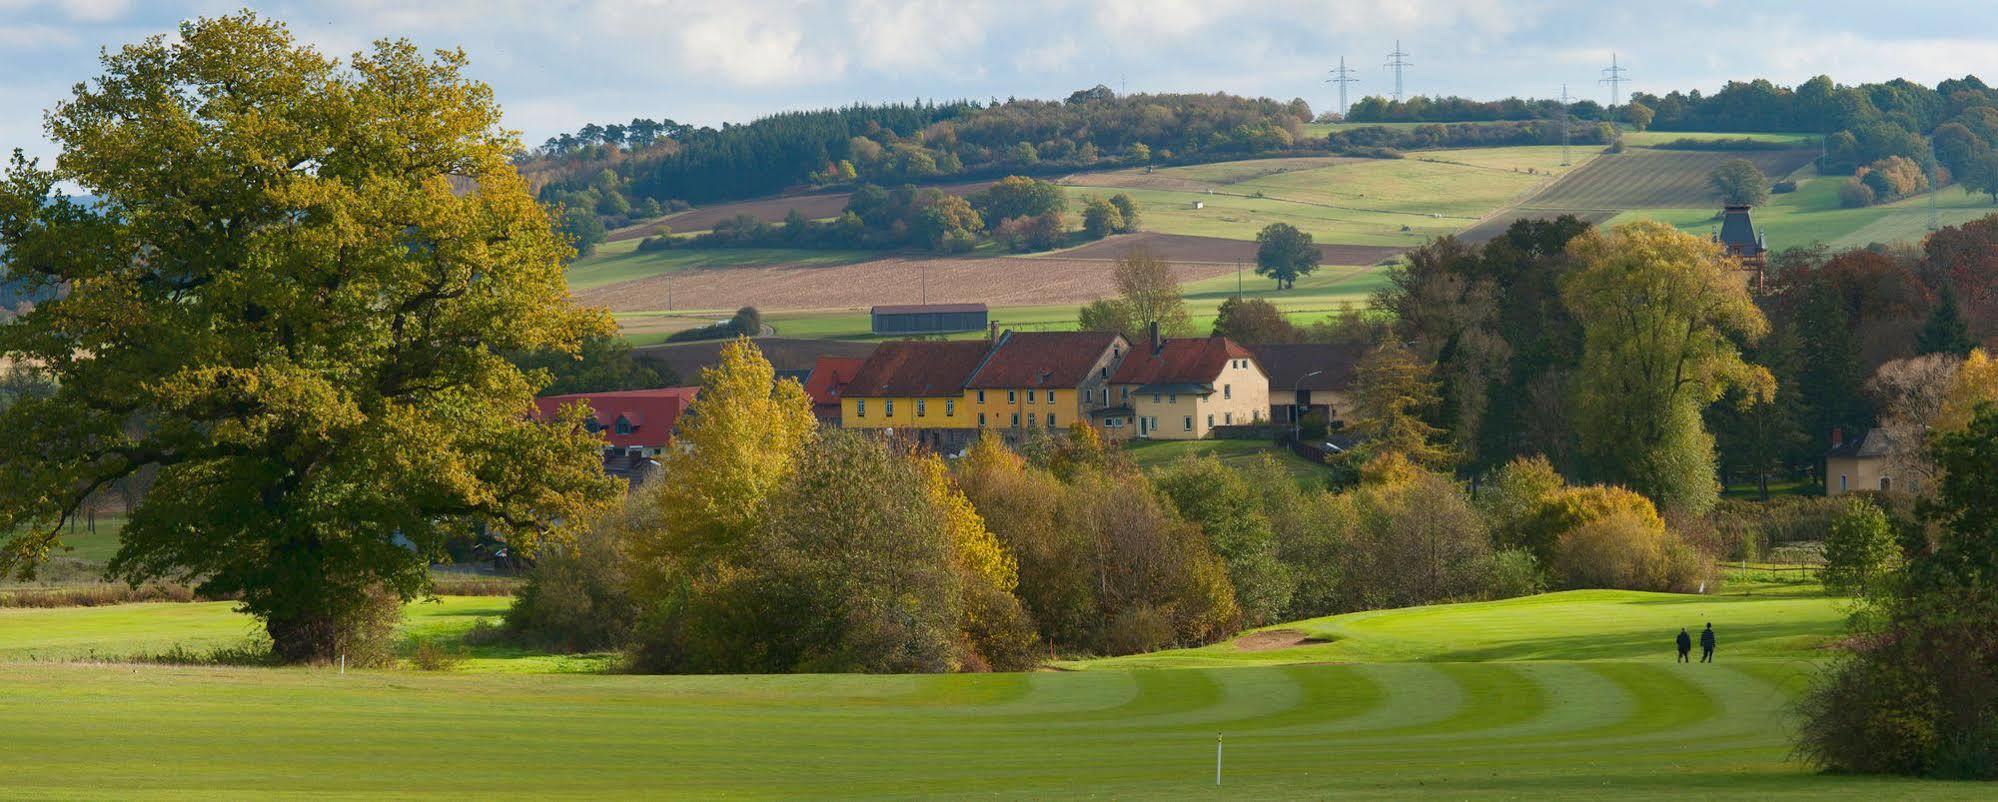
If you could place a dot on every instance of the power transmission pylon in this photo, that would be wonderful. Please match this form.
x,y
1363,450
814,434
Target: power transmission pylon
x,y
1342,76
1613,76
1398,60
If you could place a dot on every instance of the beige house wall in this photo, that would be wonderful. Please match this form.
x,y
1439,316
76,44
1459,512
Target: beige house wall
x,y
1850,474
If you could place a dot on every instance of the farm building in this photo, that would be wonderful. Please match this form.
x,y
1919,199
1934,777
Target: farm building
x,y
1307,378
1183,389
928,318
636,424
1866,462
827,381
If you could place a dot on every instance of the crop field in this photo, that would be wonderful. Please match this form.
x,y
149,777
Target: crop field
x,y
1654,179
1396,203
815,206
1812,215
1565,696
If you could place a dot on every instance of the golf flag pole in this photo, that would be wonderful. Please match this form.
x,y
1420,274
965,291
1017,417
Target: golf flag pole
x,y
1217,759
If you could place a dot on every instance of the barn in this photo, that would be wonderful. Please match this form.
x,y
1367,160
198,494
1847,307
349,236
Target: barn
x,y
928,319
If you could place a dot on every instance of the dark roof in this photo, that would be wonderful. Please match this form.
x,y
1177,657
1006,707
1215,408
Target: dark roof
x,y
1738,232
1182,361
1288,363
1874,443
921,309
1112,412
910,369
652,414
1033,359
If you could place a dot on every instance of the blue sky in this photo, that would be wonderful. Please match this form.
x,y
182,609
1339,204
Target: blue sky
x,y
556,65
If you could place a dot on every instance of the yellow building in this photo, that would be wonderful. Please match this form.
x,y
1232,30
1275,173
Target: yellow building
x,y
1868,462
1182,389
916,389
1043,379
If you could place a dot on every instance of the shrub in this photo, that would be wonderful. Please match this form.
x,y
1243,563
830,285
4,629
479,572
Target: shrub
x,y
429,655
663,242
576,597
1860,550
1783,187
1855,194
367,631
1415,540
1514,572
1023,234
1627,551
1574,507
1143,628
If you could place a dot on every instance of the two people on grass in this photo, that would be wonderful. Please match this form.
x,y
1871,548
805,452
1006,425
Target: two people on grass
x,y
1706,645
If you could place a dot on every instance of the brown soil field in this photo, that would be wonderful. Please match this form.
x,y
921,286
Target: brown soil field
x,y
1642,178
770,210
1007,281
1181,248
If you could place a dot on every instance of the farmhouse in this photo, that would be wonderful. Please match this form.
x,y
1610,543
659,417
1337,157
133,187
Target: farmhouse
x,y
1867,462
1182,389
914,388
1044,379
928,319
827,381
1308,378
636,424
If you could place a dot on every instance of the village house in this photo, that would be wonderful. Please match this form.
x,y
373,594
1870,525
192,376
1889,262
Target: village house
x,y
637,425
1043,379
827,382
916,390
1182,389
1867,462
1308,378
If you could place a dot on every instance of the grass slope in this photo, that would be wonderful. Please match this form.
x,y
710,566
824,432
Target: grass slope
x,y
1561,697
1812,215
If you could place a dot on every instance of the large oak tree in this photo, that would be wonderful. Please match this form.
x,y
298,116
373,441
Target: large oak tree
x,y
290,297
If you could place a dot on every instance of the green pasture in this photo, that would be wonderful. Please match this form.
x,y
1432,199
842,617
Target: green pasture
x,y
616,262
1812,215
1314,298
1393,202
1645,139
1565,696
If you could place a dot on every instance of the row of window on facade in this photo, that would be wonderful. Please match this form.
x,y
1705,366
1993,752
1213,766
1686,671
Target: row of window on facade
x,y
950,409
1186,423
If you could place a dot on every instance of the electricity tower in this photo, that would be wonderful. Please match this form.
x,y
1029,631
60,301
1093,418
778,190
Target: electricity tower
x,y
1613,76
1342,76
1398,60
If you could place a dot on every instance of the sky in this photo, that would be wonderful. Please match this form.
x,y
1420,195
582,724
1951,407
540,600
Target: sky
x,y
559,64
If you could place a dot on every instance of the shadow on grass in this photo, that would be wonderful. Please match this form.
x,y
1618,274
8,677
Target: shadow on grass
x,y
1752,639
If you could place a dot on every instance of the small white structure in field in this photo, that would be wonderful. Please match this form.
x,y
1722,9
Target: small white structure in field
x,y
1200,204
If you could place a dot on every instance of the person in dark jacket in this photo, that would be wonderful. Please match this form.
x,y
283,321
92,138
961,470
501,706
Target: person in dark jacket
x,y
1707,644
1685,646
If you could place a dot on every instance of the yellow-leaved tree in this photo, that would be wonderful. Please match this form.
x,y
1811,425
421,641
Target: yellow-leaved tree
x,y
994,624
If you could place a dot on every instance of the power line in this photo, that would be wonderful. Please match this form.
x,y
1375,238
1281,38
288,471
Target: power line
x,y
1398,60
1342,76
1565,100
1613,76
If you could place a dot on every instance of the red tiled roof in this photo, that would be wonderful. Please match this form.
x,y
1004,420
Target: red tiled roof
x,y
912,369
1182,361
918,309
1032,359
651,413
828,380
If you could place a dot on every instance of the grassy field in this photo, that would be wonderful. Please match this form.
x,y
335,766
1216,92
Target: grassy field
x,y
1566,696
1392,202
618,262
1812,215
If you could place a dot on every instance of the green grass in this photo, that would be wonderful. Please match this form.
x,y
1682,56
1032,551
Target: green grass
x,y
1157,454
616,262
1393,202
1567,696
1645,139
1812,215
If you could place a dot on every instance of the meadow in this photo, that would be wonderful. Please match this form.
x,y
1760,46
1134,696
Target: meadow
x,y
1812,215
1563,696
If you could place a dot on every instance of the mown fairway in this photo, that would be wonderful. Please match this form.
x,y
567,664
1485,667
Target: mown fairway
x,y
1570,696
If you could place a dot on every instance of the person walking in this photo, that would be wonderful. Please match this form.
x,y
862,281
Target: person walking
x,y
1707,644
1685,646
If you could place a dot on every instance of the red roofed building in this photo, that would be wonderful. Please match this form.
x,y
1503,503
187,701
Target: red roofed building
x,y
633,422
1181,389
914,388
1044,379
827,382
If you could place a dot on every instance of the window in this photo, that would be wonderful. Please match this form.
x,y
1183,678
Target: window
x,y
1030,396
1210,420
1050,396
1051,423
888,407
1841,483
1102,373
1172,398
860,407
1125,393
624,425
981,420
1188,423
922,407
1113,423
1886,484
1115,352
1227,391
981,396
1011,396
1228,418
1156,397
1016,420
950,407
1152,422
1031,423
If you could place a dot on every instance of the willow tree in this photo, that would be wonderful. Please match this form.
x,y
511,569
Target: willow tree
x,y
1660,310
290,298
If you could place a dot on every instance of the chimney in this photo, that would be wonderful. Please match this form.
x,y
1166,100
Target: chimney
x,y
1838,436
992,335
1157,344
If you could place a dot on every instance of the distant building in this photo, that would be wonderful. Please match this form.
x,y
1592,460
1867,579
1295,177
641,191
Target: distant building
x,y
1308,377
914,388
1044,379
1739,235
1182,389
928,319
636,425
1867,462
827,382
